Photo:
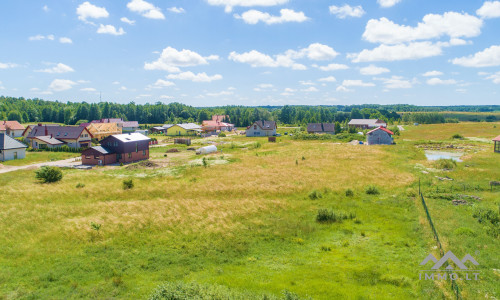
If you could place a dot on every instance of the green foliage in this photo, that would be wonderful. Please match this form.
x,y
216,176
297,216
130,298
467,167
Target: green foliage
x,y
128,184
372,190
445,164
349,193
48,174
255,145
205,162
457,136
95,226
315,194
222,134
331,216
80,185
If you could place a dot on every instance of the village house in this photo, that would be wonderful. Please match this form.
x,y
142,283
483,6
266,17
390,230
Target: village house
x,y
10,148
262,128
217,124
11,128
379,136
100,131
184,129
367,123
27,131
496,148
124,126
158,130
120,148
45,136
327,128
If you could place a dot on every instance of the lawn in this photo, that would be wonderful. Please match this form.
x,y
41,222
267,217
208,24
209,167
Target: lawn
x,y
246,221
39,157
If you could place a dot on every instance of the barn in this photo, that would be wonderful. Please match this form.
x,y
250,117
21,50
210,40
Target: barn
x,y
379,136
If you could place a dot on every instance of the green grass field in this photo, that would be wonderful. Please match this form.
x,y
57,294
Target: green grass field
x,y
247,221
39,157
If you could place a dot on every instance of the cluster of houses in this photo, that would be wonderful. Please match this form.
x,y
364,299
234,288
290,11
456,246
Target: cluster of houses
x,y
207,128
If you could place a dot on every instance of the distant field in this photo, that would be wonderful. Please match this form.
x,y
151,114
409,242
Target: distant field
x,y
435,132
248,221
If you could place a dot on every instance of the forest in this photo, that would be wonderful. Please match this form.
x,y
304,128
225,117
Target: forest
x,y
71,113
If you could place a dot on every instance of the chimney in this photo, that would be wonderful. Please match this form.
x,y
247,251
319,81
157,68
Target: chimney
x,y
46,131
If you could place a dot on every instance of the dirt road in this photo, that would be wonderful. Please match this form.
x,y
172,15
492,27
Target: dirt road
x,y
70,162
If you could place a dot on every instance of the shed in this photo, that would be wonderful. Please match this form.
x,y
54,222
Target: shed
x,y
379,136
10,148
207,149
497,144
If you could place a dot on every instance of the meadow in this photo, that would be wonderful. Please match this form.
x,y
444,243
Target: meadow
x,y
247,221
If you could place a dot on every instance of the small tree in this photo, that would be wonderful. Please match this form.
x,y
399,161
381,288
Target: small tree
x,y
128,184
48,174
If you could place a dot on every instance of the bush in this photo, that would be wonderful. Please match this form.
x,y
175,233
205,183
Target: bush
x,y
330,216
222,134
457,136
80,185
128,184
48,174
372,190
315,194
445,164
349,193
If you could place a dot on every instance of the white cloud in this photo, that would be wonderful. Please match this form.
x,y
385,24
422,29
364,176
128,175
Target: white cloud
x,y
265,85
258,59
332,67
51,37
7,65
160,83
87,10
45,8
342,88
310,89
115,82
166,97
200,77
37,37
396,82
59,85
315,51
219,94
432,73
348,83
145,9
286,15
495,77
490,9
229,4
177,10
88,90
328,79
388,3
171,59
59,68
347,11
33,89
123,88
65,40
373,70
110,29
127,20
439,81
307,82
489,57
397,52
452,24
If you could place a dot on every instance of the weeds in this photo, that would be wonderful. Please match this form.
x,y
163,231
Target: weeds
x,y
372,190
330,216
128,184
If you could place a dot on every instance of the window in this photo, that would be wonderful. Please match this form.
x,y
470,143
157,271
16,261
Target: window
x,y
96,156
87,156
119,156
130,155
254,127
143,152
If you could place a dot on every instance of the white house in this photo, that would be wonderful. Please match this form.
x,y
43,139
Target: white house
x,y
10,148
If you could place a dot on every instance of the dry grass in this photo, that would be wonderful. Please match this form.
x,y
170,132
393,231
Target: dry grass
x,y
439,132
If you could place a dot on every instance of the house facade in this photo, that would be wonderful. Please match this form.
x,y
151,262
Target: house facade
x,y
120,148
379,136
261,128
184,129
328,128
124,126
496,148
367,123
11,149
12,128
72,136
217,124
100,131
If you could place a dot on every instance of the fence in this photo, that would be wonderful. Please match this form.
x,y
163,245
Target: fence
x,y
454,286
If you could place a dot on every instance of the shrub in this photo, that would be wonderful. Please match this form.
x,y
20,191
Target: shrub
x,y
349,193
457,136
222,134
445,164
80,185
330,216
464,231
255,145
315,194
325,248
49,174
205,162
128,184
372,190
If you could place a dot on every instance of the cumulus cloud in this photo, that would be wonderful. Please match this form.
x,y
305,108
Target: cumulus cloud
x,y
57,69
489,57
346,10
145,9
315,51
110,29
348,83
450,24
397,52
388,3
65,40
432,73
86,10
439,81
127,20
396,82
373,70
59,85
88,90
332,67
286,15
171,60
200,77
229,4
310,89
328,79
7,65
495,77
490,9
160,83
177,10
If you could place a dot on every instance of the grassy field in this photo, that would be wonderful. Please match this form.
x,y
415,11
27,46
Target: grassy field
x,y
438,132
247,221
39,157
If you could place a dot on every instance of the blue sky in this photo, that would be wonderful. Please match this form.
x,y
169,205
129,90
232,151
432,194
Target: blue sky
x,y
252,52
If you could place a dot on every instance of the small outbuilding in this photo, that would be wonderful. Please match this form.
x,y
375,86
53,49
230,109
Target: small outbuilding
x,y
497,144
379,136
11,149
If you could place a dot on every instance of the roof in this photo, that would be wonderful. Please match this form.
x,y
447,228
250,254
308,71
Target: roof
x,y
158,128
497,139
369,122
381,128
100,149
167,126
6,143
49,140
12,125
266,125
321,127
58,132
131,137
189,126
130,124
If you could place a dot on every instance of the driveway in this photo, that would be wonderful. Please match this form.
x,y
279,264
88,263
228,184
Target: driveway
x,y
70,162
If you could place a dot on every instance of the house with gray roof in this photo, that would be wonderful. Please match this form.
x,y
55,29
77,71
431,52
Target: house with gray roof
x,y
262,128
44,136
328,128
367,123
10,148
